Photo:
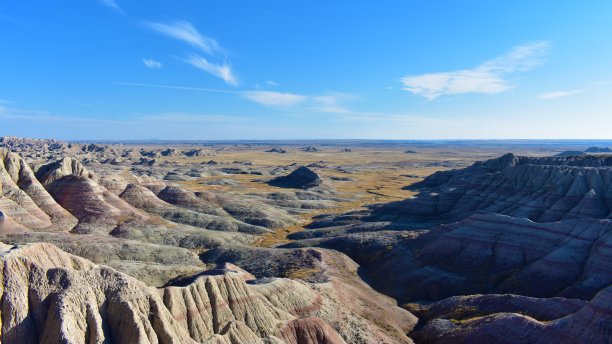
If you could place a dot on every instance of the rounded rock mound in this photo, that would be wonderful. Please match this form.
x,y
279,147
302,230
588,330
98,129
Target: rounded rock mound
x,y
300,178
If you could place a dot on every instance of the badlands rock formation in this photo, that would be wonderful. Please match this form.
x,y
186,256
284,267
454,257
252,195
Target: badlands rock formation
x,y
485,253
24,200
540,189
276,150
120,221
152,231
590,324
310,149
198,152
49,296
301,178
539,227
513,249
77,190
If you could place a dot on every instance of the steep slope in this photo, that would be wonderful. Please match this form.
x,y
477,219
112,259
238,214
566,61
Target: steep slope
x,y
591,324
541,189
554,238
97,209
539,227
25,200
49,296
8,226
485,253
186,209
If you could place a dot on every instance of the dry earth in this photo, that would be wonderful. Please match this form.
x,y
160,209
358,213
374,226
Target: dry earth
x,y
157,227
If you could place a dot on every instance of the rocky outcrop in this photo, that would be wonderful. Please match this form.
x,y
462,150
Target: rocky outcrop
x,y
186,208
569,258
347,303
310,331
470,306
486,253
8,226
62,168
591,324
24,199
78,191
276,150
170,152
49,296
19,144
301,178
538,227
69,196
94,148
198,153
540,189
310,149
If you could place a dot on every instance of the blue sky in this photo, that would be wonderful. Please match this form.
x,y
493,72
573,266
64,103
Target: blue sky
x,y
199,69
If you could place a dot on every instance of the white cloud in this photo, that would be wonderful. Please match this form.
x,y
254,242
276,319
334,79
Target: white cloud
x,y
489,77
184,31
558,94
152,63
111,4
223,71
271,83
329,103
187,33
270,98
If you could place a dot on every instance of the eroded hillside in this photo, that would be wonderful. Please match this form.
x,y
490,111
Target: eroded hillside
x,y
246,244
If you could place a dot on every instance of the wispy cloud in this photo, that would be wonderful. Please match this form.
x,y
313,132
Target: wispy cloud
x,y
173,87
489,77
270,98
223,71
558,94
180,117
43,116
171,117
112,5
330,102
184,31
152,63
333,102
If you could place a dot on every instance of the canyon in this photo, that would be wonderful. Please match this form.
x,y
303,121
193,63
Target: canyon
x,y
328,242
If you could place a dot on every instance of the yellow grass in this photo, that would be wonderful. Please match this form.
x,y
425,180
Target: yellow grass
x,y
377,180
